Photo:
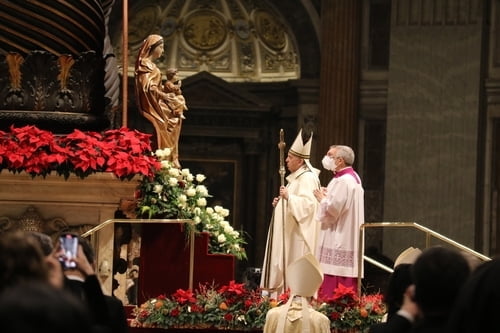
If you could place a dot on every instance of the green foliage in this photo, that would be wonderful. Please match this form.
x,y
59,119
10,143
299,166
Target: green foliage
x,y
175,193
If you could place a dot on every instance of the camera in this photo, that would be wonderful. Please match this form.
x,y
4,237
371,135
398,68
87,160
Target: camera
x,y
69,246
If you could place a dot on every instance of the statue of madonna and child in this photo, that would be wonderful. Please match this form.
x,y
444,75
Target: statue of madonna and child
x,y
162,104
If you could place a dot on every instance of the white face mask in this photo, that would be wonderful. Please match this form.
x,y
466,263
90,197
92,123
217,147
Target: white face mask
x,y
328,163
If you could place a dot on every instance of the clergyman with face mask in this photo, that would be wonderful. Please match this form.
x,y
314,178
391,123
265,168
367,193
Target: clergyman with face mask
x,y
341,213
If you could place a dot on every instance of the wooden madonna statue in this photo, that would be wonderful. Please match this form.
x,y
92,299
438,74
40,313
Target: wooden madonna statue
x,y
160,105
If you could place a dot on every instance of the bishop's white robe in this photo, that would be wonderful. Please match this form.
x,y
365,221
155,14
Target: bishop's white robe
x,y
318,322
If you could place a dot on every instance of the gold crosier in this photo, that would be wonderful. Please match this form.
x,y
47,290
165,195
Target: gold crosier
x,y
281,147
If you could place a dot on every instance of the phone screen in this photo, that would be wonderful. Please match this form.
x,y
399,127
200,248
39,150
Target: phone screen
x,y
69,245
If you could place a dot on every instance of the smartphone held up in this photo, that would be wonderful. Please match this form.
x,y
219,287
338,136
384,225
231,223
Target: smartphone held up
x,y
69,246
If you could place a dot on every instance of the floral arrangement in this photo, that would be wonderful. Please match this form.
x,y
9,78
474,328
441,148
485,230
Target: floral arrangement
x,y
164,191
347,311
123,152
176,193
234,306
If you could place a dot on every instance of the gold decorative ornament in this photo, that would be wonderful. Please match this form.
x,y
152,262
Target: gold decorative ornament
x,y
205,30
270,31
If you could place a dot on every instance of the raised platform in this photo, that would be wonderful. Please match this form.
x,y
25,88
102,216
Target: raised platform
x,y
164,262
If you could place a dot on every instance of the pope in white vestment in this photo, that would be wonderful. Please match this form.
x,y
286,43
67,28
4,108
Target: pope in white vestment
x,y
294,229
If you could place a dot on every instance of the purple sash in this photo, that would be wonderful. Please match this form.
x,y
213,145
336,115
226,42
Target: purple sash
x,y
350,171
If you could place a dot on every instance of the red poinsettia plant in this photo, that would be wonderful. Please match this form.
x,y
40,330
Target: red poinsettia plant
x,y
231,306
234,306
347,311
123,152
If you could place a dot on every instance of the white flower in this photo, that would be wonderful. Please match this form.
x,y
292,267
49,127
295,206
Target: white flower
x,y
172,181
210,210
201,202
197,211
185,172
200,178
236,246
165,164
221,238
202,190
174,172
182,198
196,219
218,209
190,178
224,212
228,229
157,188
191,192
235,234
163,153
224,224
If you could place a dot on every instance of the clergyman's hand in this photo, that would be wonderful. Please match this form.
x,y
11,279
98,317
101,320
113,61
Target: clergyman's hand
x,y
320,193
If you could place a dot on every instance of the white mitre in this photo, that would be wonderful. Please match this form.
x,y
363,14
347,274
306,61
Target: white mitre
x,y
303,150
304,277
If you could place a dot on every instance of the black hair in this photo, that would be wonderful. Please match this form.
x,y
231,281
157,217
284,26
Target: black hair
x,y
44,240
477,305
399,281
438,274
39,307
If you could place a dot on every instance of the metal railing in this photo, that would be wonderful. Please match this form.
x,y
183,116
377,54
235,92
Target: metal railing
x,y
429,234
150,221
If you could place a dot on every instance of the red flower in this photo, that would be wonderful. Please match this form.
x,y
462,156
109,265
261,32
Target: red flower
x,y
197,308
233,288
335,316
123,152
184,296
283,298
143,314
343,291
248,303
175,312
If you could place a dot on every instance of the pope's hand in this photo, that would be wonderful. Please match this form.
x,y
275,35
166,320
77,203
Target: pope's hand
x,y
284,192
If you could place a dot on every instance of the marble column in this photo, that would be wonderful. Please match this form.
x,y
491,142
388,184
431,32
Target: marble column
x,y
339,79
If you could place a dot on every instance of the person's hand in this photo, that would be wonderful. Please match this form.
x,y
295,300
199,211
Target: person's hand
x,y
275,201
82,263
320,193
284,192
56,275
409,305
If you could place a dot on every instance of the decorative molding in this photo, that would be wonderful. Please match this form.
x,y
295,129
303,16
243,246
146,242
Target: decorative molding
x,y
436,12
208,36
31,220
41,85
